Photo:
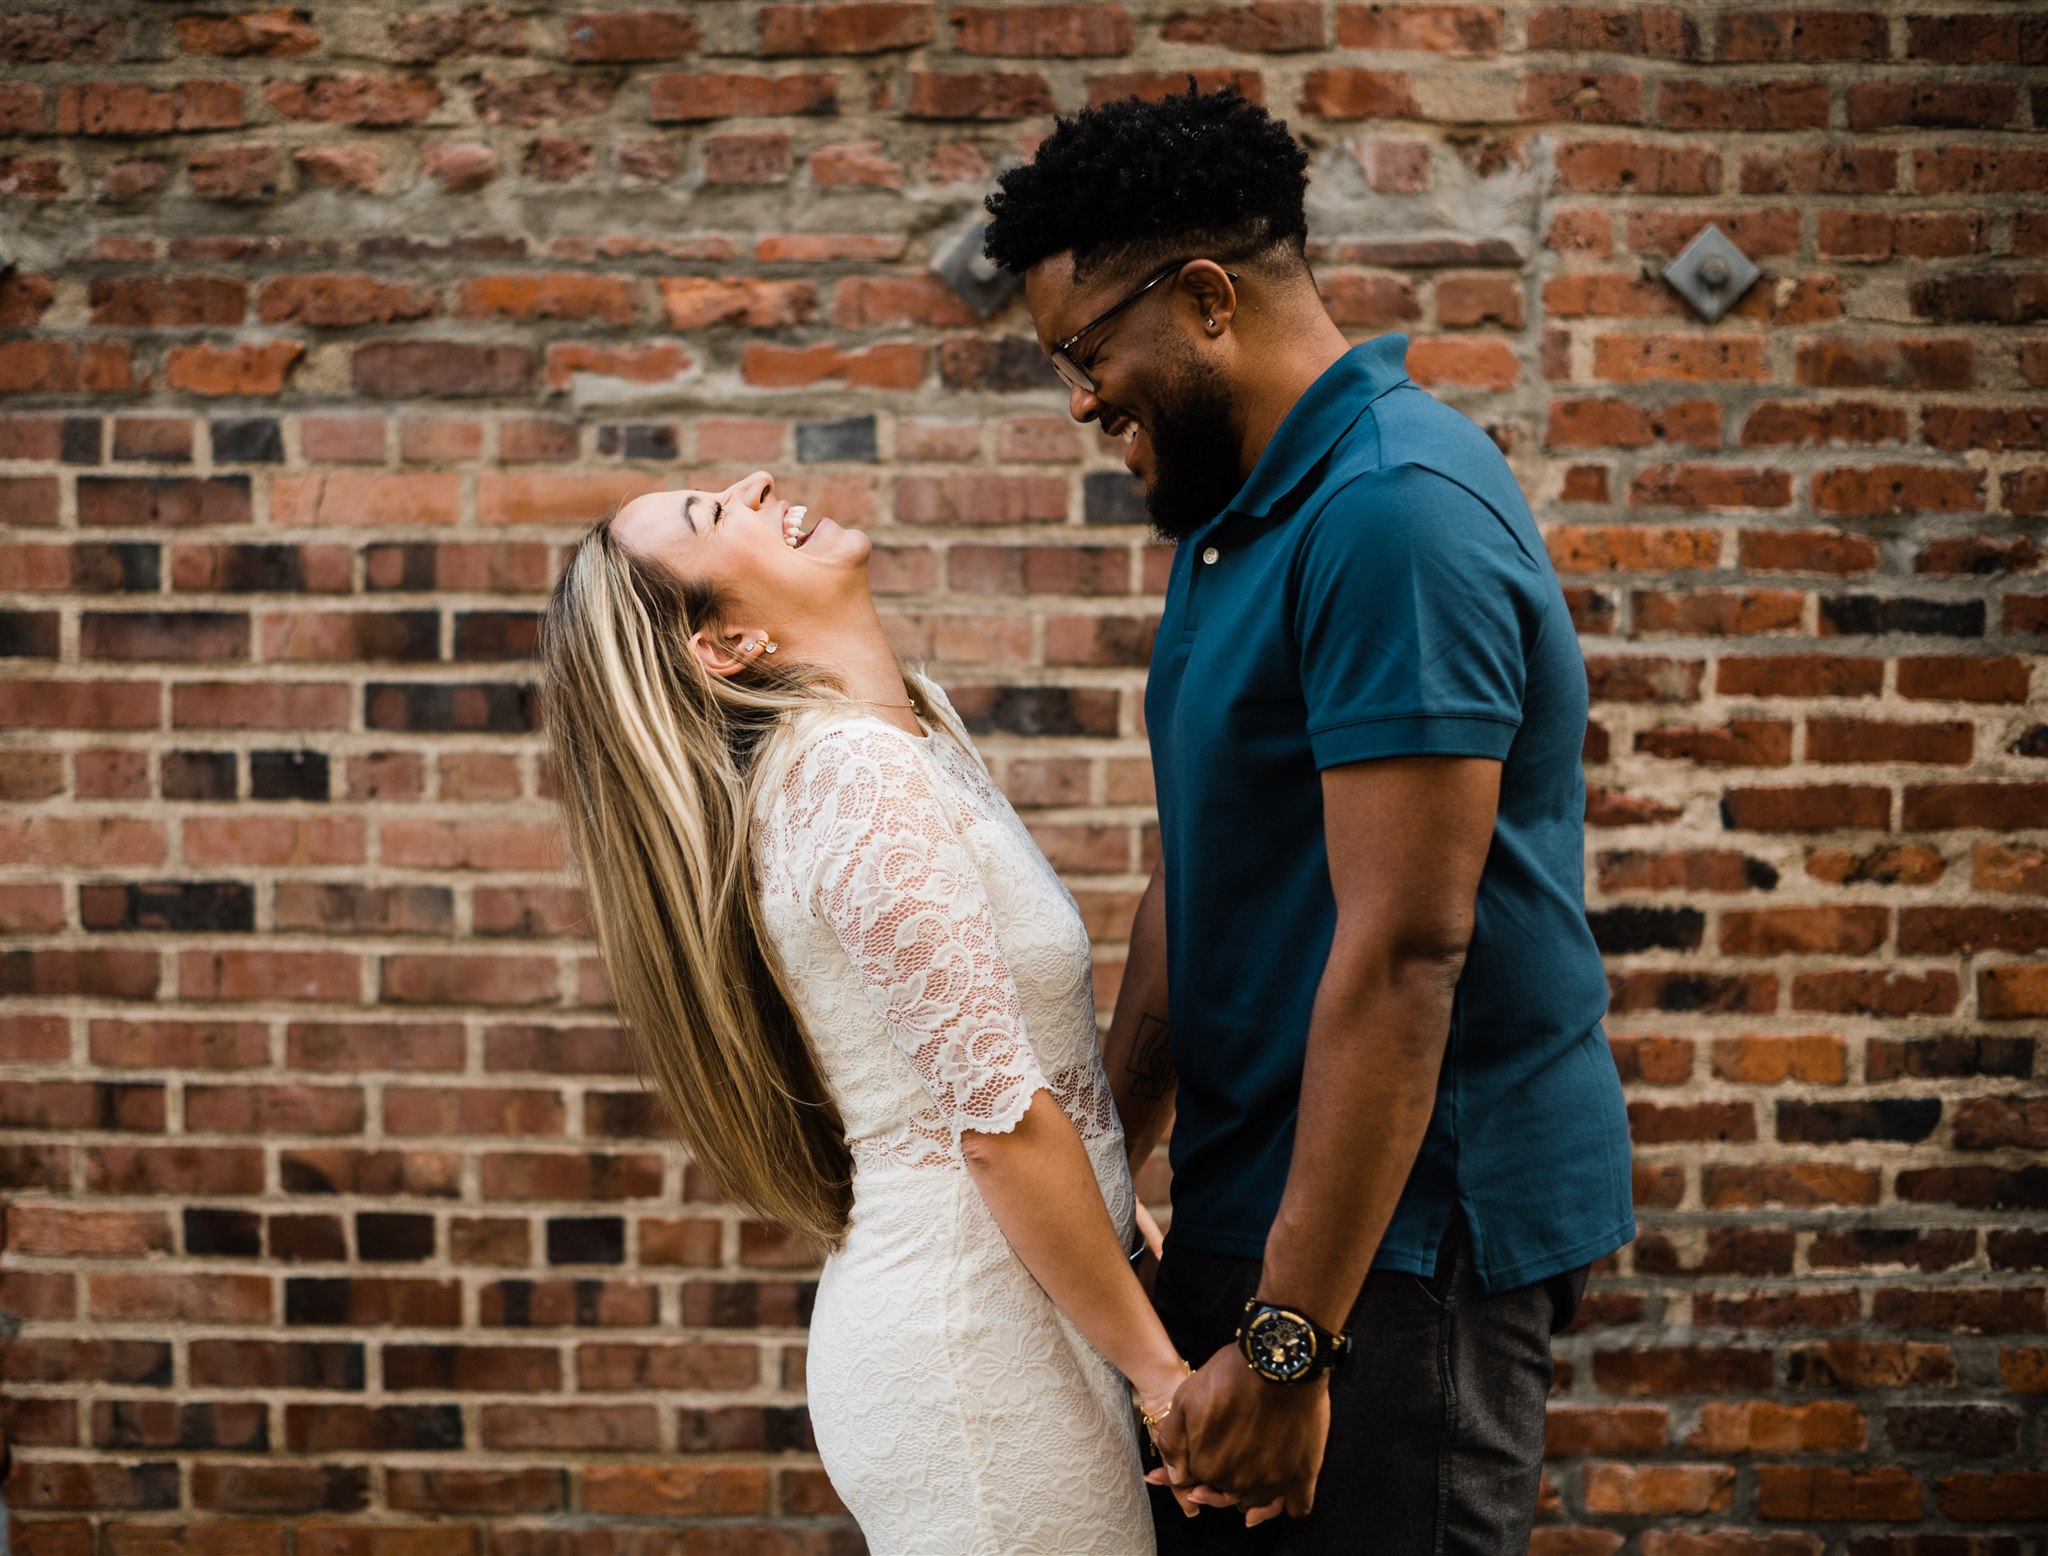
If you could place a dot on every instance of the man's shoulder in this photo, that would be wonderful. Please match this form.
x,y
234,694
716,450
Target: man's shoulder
x,y
1411,447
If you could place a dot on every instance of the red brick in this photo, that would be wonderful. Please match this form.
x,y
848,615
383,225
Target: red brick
x,y
627,37
1650,358
1349,92
1657,32
1476,364
1826,1492
1803,424
1261,27
609,299
1638,167
232,370
1582,97
987,95
58,367
1722,104
1805,551
1041,31
342,301
1787,36
381,102
688,99
134,108
1818,808
676,1490
1964,678
1660,1489
1456,31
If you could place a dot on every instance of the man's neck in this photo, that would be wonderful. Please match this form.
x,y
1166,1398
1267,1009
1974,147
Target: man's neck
x,y
1284,380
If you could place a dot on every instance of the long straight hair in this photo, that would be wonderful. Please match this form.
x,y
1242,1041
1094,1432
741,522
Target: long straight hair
x,y
659,761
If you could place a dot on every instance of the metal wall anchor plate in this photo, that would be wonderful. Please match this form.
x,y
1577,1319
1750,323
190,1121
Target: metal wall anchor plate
x,y
984,287
1711,273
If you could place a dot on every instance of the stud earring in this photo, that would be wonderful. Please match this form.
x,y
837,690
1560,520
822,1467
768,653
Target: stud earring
x,y
768,645
1211,323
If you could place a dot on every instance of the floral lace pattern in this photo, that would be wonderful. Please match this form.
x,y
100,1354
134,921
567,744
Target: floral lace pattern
x,y
942,973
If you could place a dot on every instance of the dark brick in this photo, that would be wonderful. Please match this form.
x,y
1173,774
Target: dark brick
x,y
29,634
495,707
117,567
1888,1058
850,439
305,1239
80,441
248,440
1955,1431
288,775
586,1240
1861,614
194,906
996,363
1879,1118
1110,498
225,1233
199,775
393,1237
1620,930
497,634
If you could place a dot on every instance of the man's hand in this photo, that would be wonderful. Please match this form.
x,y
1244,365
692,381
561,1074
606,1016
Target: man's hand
x,y
1259,1443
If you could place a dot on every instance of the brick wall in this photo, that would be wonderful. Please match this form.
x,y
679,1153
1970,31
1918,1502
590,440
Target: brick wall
x,y
336,1221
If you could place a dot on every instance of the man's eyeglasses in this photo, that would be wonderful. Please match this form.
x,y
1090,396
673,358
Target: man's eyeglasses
x,y
1063,361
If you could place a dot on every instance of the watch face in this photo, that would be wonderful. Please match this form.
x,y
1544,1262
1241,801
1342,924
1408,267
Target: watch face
x,y
1279,1346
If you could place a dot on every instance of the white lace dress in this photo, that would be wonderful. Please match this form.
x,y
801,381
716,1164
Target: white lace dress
x,y
942,971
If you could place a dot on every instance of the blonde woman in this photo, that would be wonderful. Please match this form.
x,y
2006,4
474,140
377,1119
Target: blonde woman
x,y
865,997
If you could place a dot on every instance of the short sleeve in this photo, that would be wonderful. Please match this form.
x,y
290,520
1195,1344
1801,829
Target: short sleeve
x,y
1412,609
903,898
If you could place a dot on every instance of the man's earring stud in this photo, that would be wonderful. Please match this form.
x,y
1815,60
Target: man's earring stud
x,y
1211,323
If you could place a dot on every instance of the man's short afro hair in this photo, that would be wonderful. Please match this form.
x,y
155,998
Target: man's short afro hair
x,y
1135,181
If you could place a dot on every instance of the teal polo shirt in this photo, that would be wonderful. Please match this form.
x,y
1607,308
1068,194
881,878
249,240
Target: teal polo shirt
x,y
1377,588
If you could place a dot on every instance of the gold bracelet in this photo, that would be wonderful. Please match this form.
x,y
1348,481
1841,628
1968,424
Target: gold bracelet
x,y
1145,1415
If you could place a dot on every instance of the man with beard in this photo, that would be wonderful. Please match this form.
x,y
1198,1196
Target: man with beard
x,y
1360,987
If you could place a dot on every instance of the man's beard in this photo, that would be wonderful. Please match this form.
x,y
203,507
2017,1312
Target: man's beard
x,y
1195,445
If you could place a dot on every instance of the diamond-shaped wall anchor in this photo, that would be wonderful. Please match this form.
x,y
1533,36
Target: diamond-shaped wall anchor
x,y
1711,273
983,285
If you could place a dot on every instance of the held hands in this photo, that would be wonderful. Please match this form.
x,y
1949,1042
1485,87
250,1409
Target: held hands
x,y
1231,1437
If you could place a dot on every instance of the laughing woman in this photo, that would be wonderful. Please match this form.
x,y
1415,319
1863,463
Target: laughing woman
x,y
865,997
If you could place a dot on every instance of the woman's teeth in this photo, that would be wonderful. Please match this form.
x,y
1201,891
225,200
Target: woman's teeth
x,y
793,526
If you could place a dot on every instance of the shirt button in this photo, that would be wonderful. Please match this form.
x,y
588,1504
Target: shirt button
x,y
1210,554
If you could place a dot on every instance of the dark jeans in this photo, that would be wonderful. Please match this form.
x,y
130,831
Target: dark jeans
x,y
1436,1419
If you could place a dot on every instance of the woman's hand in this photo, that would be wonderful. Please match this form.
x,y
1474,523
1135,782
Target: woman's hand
x,y
1156,1405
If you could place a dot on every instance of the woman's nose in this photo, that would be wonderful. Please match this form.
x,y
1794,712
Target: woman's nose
x,y
753,489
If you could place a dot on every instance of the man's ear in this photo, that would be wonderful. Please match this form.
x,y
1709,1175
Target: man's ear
x,y
725,651
1206,283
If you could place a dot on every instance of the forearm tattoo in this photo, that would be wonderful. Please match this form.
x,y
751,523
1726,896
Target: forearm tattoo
x,y
1150,1062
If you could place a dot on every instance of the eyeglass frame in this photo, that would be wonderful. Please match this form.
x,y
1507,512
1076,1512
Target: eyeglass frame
x,y
1072,373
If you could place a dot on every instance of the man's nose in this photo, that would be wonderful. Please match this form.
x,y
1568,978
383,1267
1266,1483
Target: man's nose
x,y
1081,405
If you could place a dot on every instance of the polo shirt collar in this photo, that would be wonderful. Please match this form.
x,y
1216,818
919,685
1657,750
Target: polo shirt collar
x,y
1319,418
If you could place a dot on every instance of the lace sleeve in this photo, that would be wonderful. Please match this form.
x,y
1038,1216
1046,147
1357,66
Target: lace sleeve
x,y
898,889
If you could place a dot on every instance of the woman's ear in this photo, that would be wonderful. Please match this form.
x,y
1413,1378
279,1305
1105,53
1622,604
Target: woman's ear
x,y
726,651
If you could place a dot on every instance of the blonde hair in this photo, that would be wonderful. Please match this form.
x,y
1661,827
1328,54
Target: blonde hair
x,y
658,761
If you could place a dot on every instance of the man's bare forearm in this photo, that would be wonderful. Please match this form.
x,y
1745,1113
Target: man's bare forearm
x,y
1376,1044
1136,1053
